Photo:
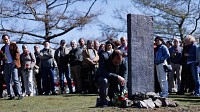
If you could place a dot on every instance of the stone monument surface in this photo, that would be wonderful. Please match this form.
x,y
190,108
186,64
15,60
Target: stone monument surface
x,y
140,54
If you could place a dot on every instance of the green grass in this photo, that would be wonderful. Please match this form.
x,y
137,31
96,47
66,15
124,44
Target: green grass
x,y
84,103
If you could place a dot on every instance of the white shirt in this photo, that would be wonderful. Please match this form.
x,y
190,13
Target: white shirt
x,y
91,53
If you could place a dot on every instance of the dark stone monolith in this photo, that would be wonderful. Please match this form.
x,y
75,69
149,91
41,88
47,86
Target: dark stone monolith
x,y
140,54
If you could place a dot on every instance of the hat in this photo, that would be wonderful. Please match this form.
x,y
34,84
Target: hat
x,y
62,41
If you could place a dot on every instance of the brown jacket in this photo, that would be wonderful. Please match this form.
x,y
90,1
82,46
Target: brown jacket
x,y
14,51
86,57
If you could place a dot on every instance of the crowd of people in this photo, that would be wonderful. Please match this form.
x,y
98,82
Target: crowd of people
x,y
184,58
82,64
95,68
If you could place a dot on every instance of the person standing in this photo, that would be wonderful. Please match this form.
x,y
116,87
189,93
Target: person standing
x,y
89,65
175,61
186,74
192,62
75,65
162,53
62,62
96,45
47,69
81,48
11,63
124,47
38,76
1,84
27,60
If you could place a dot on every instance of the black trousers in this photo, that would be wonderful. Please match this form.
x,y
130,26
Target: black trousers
x,y
87,74
38,78
186,79
1,84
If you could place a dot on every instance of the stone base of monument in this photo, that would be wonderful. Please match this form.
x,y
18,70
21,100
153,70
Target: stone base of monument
x,y
148,100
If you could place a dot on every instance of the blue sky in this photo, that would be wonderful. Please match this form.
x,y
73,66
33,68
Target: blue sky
x,y
92,30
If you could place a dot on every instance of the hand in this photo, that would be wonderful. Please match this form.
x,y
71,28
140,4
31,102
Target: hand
x,y
4,58
121,80
186,54
125,54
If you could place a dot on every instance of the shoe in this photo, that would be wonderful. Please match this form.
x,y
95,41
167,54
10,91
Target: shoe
x,y
30,94
180,93
20,97
71,92
46,94
192,93
165,95
174,90
11,98
100,103
24,95
54,93
110,103
40,93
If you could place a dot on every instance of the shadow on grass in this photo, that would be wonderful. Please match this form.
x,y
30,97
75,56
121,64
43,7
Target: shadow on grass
x,y
186,99
69,95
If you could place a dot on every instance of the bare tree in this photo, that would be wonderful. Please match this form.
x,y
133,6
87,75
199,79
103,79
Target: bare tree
x,y
119,14
172,17
38,20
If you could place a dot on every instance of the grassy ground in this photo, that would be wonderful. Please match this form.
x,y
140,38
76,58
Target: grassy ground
x,y
86,103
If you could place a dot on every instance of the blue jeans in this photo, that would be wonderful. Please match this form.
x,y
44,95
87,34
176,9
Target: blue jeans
x,y
162,79
195,75
48,79
11,73
65,72
28,81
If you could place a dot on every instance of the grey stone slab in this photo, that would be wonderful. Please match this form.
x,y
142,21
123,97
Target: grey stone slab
x,y
140,54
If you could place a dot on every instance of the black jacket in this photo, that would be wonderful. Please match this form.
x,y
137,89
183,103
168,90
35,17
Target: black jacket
x,y
108,70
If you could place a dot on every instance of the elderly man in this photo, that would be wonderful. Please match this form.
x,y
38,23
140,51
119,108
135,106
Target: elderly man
x,y
124,47
47,69
111,71
75,60
175,61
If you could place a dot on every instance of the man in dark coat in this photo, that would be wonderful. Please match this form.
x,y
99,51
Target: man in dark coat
x,y
112,72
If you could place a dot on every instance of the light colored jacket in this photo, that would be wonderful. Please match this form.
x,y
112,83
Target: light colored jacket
x,y
87,61
27,59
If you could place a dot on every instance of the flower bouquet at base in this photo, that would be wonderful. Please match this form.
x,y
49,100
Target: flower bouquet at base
x,y
121,99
